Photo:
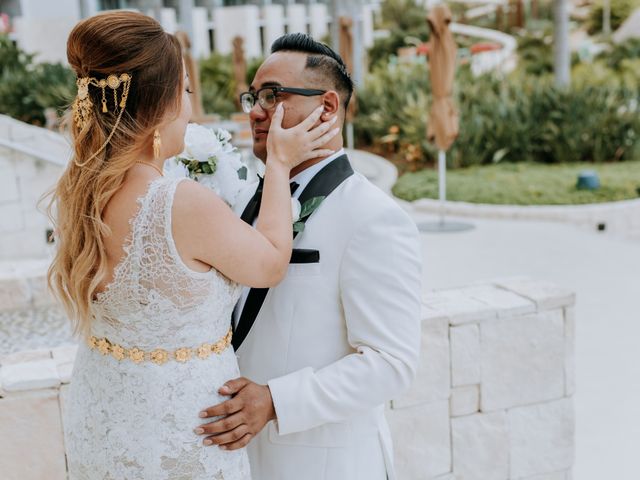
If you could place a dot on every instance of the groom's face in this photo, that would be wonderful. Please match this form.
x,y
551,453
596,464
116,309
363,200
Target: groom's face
x,y
284,69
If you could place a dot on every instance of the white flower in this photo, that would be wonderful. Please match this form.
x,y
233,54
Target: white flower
x,y
174,169
200,143
227,183
296,208
223,135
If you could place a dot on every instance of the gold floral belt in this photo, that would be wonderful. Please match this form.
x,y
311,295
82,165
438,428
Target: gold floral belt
x,y
159,356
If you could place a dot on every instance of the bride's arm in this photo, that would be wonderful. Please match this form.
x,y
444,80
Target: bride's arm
x,y
206,229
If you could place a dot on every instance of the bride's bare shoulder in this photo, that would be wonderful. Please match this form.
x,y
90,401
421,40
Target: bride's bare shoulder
x,y
194,203
190,193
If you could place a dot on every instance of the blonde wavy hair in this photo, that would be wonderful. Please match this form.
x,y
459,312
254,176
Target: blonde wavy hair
x,y
109,43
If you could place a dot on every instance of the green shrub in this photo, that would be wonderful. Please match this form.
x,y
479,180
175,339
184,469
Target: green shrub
x,y
535,53
218,84
524,184
620,10
406,22
515,119
252,68
599,73
27,88
392,110
535,49
619,52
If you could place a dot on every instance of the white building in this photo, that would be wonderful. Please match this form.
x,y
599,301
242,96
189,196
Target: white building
x,y
42,26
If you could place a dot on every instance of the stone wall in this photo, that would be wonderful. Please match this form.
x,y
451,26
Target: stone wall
x,y
493,394
31,160
492,399
619,218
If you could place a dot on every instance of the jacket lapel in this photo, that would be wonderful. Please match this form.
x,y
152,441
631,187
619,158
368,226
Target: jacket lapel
x,y
321,185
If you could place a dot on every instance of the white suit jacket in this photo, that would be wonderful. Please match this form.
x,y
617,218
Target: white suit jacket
x,y
336,339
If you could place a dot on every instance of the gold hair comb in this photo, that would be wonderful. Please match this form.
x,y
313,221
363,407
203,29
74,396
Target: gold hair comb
x,y
83,106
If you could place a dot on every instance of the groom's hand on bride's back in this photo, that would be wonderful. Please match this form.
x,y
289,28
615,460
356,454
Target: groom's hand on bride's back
x,y
244,415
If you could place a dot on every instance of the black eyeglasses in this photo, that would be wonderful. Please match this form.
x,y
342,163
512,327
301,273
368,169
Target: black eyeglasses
x,y
267,96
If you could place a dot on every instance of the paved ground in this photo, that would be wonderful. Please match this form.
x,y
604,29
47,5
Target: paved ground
x,y
605,274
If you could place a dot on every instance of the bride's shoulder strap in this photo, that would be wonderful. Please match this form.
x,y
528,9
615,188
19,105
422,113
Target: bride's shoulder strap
x,y
155,210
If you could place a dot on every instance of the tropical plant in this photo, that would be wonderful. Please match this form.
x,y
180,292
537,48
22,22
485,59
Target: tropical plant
x,y
619,52
405,21
252,67
514,119
28,88
535,50
620,10
218,84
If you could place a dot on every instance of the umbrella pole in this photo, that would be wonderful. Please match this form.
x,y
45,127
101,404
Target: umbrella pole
x,y
442,226
442,182
350,135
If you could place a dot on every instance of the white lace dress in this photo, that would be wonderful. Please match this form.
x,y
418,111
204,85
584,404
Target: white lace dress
x,y
135,420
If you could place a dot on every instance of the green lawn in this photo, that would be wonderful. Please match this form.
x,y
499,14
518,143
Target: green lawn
x,y
524,184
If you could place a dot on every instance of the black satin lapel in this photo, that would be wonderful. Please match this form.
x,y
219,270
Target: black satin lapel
x,y
325,182
327,179
321,185
250,210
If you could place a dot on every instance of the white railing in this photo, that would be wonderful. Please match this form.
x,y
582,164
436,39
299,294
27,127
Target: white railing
x,y
492,60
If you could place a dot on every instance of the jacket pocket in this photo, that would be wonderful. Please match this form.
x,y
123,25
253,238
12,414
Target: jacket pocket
x,y
329,435
304,255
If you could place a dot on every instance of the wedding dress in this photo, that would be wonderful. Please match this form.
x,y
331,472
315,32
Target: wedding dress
x,y
158,352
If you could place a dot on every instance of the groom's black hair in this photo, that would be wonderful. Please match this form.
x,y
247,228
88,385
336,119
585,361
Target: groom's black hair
x,y
321,59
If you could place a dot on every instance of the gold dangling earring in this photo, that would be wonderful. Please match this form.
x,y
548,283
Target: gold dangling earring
x,y
157,143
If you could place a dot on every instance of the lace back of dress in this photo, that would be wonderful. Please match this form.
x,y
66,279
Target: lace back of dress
x,y
152,273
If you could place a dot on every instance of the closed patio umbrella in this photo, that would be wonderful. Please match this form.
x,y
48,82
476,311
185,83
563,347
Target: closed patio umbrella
x,y
443,117
194,76
442,125
239,68
346,52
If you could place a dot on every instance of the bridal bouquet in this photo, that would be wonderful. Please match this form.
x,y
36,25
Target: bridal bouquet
x,y
210,159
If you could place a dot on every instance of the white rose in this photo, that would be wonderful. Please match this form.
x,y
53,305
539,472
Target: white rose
x,y
211,182
227,176
172,168
201,142
223,135
296,208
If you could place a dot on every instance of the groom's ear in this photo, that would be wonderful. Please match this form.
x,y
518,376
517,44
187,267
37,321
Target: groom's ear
x,y
331,104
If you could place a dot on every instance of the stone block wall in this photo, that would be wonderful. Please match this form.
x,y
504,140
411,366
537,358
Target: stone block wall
x,y
31,431
493,393
621,219
492,397
24,178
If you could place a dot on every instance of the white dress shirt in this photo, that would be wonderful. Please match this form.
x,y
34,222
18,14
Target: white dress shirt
x,y
302,179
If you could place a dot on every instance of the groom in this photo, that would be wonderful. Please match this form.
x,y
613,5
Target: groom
x,y
324,350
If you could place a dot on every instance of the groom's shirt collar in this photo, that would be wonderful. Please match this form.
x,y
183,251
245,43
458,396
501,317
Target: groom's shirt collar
x,y
305,176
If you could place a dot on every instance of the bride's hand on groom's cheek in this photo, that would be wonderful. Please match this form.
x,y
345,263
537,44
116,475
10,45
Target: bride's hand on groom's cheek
x,y
244,415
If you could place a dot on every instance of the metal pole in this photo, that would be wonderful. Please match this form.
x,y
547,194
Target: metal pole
x,y
350,135
186,17
442,226
606,17
562,54
442,182
357,55
334,30
358,52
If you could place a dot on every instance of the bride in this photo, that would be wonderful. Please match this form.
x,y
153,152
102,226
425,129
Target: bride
x,y
150,268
